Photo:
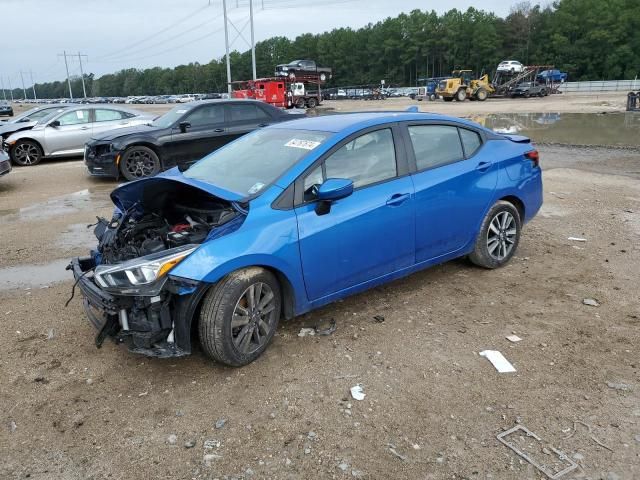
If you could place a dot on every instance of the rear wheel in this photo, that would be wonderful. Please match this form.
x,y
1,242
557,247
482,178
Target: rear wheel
x,y
312,102
300,103
139,162
461,95
239,316
26,153
499,236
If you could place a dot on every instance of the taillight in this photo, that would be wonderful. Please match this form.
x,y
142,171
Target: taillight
x,y
534,156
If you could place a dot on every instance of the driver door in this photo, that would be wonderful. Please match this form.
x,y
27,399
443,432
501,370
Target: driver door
x,y
70,136
364,236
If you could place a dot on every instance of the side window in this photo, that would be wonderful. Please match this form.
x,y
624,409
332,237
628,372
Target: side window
x,y
246,113
76,117
206,115
435,145
107,115
470,141
312,182
368,159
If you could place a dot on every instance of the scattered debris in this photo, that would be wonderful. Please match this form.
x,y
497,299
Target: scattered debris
x,y
497,359
51,334
172,439
552,469
312,435
189,444
220,423
591,302
343,466
143,394
179,413
591,435
392,449
624,387
328,330
514,338
307,332
577,239
379,318
210,458
211,444
356,473
357,393
307,451
12,426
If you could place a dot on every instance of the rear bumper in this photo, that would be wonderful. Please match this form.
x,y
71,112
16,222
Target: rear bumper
x,y
151,326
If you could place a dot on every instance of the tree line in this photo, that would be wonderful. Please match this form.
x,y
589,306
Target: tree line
x,y
589,39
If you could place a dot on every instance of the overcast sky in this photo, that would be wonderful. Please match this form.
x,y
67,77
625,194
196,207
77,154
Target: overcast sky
x,y
117,34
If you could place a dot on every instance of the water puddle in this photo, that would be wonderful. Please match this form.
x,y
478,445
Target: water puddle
x,y
77,235
606,130
34,276
88,199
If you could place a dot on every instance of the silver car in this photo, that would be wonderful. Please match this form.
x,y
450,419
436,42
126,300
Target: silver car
x,y
27,120
64,133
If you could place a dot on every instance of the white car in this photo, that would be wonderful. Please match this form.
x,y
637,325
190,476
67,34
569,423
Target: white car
x,y
511,66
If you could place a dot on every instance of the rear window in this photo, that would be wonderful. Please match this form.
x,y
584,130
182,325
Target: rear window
x,y
435,145
470,141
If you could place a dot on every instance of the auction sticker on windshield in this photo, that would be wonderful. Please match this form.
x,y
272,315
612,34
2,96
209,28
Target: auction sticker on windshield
x,y
306,144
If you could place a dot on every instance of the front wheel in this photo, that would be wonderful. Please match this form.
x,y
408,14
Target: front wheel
x,y
139,162
499,236
239,316
26,153
461,95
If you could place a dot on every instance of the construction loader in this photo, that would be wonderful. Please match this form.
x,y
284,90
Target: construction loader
x,y
461,85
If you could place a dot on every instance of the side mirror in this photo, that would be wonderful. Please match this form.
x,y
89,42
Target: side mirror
x,y
55,124
184,126
331,190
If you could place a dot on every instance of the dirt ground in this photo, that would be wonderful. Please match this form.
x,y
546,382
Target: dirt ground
x,y
433,406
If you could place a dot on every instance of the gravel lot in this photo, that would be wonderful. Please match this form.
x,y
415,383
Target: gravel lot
x,y
433,406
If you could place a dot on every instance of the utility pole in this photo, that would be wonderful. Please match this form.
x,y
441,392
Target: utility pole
x,y
33,85
4,94
64,53
24,92
10,89
226,45
84,90
253,43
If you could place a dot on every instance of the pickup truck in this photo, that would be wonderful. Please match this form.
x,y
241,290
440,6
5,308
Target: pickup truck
x,y
302,67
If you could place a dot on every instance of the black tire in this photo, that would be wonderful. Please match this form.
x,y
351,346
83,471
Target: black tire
x,y
461,95
481,94
26,153
300,103
312,102
222,341
495,247
139,162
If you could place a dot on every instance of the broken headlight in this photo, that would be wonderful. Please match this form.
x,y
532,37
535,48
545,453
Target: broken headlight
x,y
141,276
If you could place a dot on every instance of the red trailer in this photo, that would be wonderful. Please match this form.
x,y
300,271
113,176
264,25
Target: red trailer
x,y
303,91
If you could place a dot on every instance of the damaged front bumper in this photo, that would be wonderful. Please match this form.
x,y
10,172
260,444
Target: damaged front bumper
x,y
158,326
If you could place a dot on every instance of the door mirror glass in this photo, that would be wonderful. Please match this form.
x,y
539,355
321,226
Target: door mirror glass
x,y
55,124
335,189
184,126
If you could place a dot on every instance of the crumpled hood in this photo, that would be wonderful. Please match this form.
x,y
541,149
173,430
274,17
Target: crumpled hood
x,y
123,132
8,128
132,193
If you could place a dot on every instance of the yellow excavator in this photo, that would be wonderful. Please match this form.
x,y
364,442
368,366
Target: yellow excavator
x,y
462,85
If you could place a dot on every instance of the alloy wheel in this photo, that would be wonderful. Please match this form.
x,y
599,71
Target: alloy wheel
x,y
501,235
253,317
140,164
26,154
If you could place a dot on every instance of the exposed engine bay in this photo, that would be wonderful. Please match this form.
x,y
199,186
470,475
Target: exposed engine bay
x,y
160,221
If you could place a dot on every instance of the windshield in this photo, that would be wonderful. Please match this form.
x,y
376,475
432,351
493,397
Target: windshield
x,y
171,117
256,160
38,113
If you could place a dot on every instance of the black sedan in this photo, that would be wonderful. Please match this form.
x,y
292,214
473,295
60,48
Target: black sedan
x,y
180,137
6,109
529,89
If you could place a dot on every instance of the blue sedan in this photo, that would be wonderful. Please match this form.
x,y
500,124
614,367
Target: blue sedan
x,y
298,215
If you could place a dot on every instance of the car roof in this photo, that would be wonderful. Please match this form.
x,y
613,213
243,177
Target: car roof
x,y
359,120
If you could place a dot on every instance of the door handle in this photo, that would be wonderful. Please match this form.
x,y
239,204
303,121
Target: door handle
x,y
483,166
263,125
219,130
397,199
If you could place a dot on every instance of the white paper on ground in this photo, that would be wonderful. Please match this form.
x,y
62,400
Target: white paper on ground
x,y
513,338
357,393
498,361
577,239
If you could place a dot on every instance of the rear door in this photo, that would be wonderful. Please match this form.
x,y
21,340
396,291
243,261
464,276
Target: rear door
x,y
454,182
70,136
245,117
206,132
366,235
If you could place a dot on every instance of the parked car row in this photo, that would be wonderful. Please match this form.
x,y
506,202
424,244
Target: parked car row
x,y
139,99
